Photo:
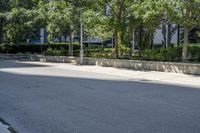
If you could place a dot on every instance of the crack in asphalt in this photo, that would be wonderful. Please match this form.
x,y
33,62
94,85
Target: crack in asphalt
x,y
11,129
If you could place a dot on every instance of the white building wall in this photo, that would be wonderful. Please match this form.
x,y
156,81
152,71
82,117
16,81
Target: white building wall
x,y
158,37
42,35
175,36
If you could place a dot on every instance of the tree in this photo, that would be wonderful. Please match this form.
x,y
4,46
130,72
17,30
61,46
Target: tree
x,y
62,19
5,7
182,12
186,14
18,18
120,11
120,21
58,18
96,24
151,13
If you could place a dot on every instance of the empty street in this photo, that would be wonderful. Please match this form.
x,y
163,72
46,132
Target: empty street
x,y
58,98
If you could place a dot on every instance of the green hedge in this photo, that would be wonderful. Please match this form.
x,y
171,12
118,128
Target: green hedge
x,y
194,53
88,52
100,52
36,48
124,51
158,54
170,54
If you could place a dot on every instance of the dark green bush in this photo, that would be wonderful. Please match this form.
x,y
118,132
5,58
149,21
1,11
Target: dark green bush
x,y
56,52
36,48
170,54
125,51
157,54
100,52
1,49
194,53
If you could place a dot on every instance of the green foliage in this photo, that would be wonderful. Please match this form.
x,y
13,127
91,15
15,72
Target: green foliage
x,y
194,53
152,15
23,48
170,54
1,49
125,51
20,19
62,18
185,13
158,54
96,24
100,52
120,21
56,52
57,18
150,12
4,6
17,31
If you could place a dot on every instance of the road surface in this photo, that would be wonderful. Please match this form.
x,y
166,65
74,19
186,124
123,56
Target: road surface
x,y
40,98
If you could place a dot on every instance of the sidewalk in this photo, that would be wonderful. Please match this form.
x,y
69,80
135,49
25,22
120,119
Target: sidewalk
x,y
4,128
142,76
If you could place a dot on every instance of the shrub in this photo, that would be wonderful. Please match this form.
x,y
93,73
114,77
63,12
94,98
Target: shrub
x,y
55,52
194,53
36,48
157,54
100,52
125,51
1,48
28,53
170,54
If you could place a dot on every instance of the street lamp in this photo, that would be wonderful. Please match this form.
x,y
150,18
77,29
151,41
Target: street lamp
x,y
81,40
165,22
133,42
42,38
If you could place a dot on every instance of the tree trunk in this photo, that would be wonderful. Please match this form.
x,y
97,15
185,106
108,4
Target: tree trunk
x,y
72,41
178,36
151,43
116,45
1,30
185,45
71,37
119,42
70,44
167,36
133,41
140,36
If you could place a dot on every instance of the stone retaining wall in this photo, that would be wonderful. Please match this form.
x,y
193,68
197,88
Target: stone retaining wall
x,y
187,68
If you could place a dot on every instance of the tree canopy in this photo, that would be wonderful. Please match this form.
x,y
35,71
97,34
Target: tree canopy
x,y
103,19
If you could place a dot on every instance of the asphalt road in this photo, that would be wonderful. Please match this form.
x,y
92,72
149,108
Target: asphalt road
x,y
45,99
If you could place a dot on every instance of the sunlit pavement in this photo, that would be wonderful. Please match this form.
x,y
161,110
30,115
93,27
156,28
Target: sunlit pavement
x,y
4,128
64,98
150,76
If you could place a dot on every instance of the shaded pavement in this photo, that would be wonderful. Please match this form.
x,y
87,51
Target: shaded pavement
x,y
47,99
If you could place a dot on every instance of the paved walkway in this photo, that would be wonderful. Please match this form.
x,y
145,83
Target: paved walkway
x,y
151,76
3,128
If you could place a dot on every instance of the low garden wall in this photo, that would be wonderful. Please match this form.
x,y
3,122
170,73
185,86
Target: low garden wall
x,y
187,68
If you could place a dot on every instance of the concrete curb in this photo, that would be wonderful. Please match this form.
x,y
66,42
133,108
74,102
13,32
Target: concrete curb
x,y
5,127
186,68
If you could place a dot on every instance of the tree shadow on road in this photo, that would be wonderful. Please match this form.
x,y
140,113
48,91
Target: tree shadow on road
x,y
38,103
17,64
